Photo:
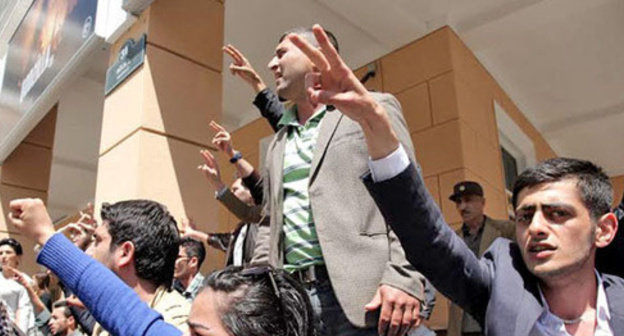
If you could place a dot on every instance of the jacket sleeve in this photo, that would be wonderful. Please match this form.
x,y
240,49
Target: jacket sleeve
x,y
263,235
254,183
430,301
270,107
430,244
109,299
244,212
399,273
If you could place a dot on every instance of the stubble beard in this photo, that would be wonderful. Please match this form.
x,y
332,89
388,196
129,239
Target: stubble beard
x,y
553,274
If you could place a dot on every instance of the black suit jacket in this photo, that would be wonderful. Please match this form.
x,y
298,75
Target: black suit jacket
x,y
497,289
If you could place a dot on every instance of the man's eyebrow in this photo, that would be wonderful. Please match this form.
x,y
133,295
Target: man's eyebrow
x,y
195,325
526,208
557,206
548,206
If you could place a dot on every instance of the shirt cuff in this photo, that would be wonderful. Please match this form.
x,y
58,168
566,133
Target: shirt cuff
x,y
219,194
389,166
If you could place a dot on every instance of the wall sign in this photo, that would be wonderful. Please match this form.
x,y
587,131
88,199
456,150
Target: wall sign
x,y
131,56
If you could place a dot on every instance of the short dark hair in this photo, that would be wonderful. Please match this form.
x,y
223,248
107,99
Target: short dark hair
x,y
194,248
253,308
63,304
308,34
593,184
17,247
152,230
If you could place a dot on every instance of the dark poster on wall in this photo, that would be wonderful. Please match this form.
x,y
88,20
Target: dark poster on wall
x,y
50,34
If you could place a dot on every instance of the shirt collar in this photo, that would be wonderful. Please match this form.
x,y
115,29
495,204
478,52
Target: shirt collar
x,y
289,118
466,230
197,281
603,316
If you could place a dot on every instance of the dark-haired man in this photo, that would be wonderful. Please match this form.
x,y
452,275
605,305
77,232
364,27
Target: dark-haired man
x,y
186,276
321,216
62,322
545,284
138,240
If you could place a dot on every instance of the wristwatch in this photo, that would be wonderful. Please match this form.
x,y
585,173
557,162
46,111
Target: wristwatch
x,y
237,156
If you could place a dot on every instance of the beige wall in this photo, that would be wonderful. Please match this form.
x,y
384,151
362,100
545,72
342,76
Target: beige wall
x,y
156,122
26,173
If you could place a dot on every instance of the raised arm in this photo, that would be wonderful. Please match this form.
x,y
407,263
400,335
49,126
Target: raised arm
x,y
36,302
109,300
241,68
429,242
223,141
266,100
243,211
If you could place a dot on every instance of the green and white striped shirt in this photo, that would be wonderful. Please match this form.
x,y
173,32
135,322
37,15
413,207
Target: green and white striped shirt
x,y
301,244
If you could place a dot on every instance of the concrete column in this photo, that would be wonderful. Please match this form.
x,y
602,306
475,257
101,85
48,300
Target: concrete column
x,y
155,123
26,173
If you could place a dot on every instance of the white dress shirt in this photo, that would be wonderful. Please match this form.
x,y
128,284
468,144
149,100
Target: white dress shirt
x,y
552,325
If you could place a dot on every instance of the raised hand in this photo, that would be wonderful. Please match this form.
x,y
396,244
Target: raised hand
x,y
210,168
335,84
241,67
74,301
187,229
29,216
81,232
222,139
20,278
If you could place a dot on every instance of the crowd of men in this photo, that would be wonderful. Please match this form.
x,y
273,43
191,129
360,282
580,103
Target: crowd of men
x,y
322,249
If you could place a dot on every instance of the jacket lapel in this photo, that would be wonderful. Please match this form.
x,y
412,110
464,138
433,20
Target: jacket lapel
x,y
276,175
328,128
489,234
615,299
529,310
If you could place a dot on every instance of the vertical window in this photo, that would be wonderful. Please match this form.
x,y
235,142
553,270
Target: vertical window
x,y
510,166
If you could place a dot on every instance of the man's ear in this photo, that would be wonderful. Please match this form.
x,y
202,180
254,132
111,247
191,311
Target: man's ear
x,y
124,254
193,262
606,229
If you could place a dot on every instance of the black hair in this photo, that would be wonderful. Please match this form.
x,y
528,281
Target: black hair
x,y
194,248
152,230
262,304
15,245
308,34
63,304
593,184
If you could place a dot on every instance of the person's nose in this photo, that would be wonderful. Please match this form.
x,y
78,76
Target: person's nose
x,y
538,227
273,64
